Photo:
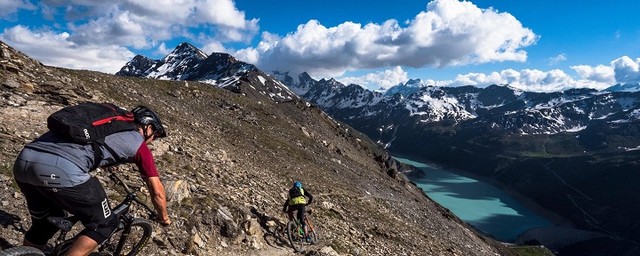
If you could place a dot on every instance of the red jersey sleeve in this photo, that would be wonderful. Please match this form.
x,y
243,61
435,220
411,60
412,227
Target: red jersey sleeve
x,y
144,160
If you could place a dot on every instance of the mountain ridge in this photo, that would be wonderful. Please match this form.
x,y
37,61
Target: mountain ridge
x,y
186,62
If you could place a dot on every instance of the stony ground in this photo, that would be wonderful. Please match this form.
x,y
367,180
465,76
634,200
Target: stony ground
x,y
227,163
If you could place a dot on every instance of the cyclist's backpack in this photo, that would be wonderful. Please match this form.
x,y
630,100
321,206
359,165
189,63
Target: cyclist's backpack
x,y
90,123
295,192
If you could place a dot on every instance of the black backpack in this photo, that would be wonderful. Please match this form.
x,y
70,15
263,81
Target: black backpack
x,y
90,123
295,192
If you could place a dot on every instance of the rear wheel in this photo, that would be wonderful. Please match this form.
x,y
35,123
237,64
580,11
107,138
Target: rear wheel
x,y
295,238
134,243
21,251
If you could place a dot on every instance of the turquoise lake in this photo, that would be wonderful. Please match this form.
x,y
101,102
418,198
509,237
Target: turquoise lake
x,y
479,204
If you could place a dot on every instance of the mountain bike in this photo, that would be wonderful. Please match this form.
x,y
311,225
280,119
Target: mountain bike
x,y
128,239
297,236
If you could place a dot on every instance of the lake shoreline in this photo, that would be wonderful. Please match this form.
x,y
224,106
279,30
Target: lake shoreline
x,y
528,203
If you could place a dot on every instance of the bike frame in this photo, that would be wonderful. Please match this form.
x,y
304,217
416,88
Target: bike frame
x,y
309,225
121,210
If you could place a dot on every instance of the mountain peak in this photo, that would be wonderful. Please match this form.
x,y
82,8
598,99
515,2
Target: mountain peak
x,y
187,49
187,62
628,87
137,66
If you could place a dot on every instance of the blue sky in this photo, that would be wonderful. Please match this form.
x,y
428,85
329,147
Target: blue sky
x,y
542,45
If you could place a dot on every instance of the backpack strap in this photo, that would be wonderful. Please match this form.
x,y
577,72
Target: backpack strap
x,y
98,156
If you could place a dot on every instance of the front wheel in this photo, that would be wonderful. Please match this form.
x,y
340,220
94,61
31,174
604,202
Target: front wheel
x,y
132,244
295,237
21,251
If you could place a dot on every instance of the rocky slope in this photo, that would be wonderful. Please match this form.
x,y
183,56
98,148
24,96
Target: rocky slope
x,y
226,164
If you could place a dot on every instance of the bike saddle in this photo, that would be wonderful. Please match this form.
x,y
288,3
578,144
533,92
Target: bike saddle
x,y
63,223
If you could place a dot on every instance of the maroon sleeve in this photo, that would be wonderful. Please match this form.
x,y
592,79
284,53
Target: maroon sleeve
x,y
144,161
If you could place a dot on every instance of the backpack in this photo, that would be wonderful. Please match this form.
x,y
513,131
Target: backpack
x,y
295,192
90,123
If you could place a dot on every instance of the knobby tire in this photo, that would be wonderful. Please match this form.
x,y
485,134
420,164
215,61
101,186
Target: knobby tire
x,y
138,237
21,251
297,241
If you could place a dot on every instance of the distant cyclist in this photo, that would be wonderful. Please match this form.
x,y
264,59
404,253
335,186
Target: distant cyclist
x,y
297,202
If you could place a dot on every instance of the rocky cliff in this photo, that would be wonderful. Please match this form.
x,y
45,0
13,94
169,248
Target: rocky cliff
x,y
227,163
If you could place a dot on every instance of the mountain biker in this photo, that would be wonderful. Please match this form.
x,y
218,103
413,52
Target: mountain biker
x,y
53,174
296,201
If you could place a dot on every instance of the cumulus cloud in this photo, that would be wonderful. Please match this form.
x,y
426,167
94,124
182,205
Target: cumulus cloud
x,y
448,32
8,8
96,27
213,46
378,80
526,79
162,49
626,69
621,70
557,59
136,23
600,73
599,78
139,24
61,52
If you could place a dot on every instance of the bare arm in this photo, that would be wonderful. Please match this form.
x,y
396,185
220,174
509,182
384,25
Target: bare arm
x,y
159,199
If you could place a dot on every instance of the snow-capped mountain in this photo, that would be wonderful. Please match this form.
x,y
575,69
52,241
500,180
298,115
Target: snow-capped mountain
x,y
498,108
628,87
186,62
406,89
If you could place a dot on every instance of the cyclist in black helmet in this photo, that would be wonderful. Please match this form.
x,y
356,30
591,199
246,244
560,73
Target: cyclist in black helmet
x,y
144,116
53,174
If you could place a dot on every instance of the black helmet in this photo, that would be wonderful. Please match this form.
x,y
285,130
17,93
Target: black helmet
x,y
144,116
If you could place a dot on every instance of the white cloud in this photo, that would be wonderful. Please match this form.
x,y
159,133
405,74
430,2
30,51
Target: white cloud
x,y
600,73
95,28
8,8
141,24
223,13
61,52
162,49
537,80
448,32
557,59
378,80
213,46
621,70
626,69
119,29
